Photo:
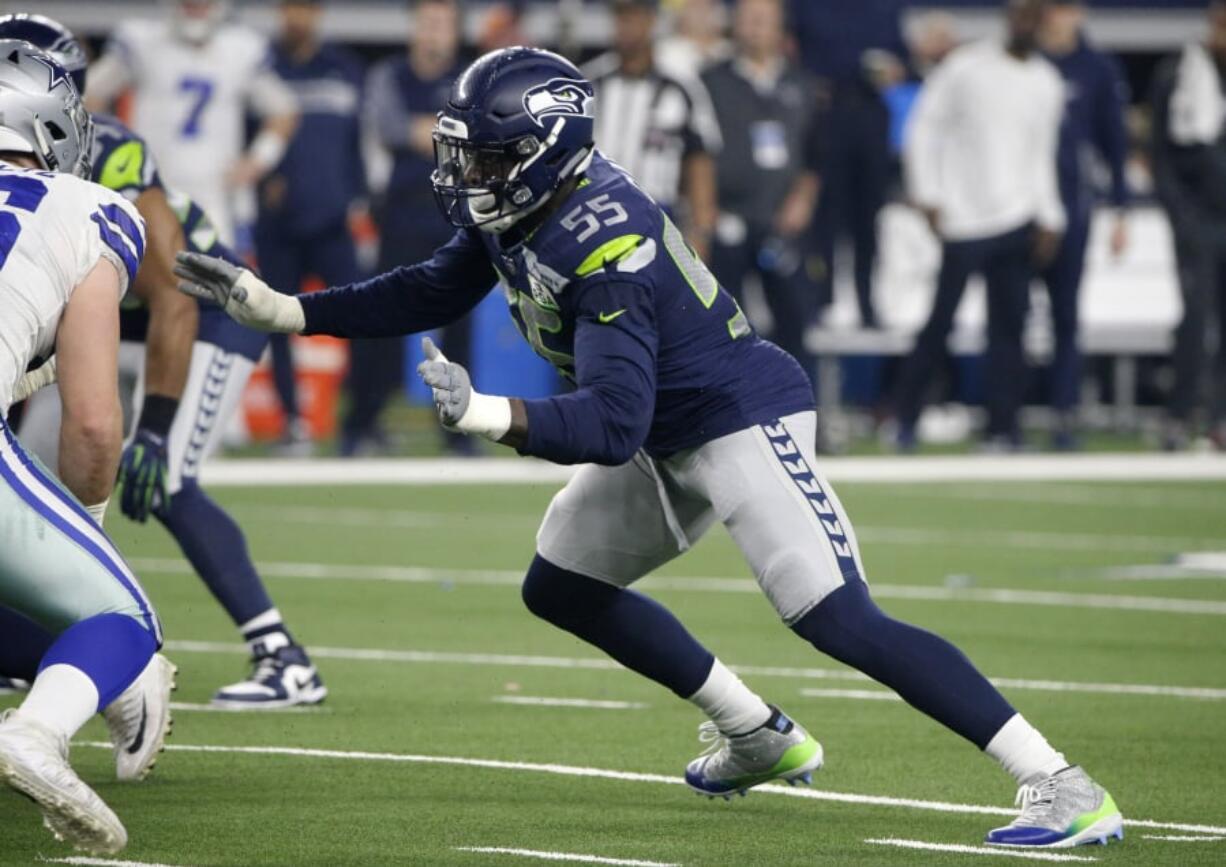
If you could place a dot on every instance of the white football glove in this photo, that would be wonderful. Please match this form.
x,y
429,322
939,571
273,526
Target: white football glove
x,y
41,377
245,297
460,407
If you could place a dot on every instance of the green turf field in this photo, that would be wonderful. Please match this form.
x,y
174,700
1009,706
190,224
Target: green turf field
x,y
409,598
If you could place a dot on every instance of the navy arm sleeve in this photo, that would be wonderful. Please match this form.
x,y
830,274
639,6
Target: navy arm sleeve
x,y
607,418
1110,135
405,300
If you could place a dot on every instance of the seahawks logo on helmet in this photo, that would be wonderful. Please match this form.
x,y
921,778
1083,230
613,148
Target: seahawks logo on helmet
x,y
558,96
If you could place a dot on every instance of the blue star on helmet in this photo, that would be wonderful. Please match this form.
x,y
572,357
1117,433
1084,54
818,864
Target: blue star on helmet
x,y
56,72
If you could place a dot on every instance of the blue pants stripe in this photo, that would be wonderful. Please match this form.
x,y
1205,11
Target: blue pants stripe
x,y
41,502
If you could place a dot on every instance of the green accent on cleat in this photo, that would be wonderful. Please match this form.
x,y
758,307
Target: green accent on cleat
x,y
1085,820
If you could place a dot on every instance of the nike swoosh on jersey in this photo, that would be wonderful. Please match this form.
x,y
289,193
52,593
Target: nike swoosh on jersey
x,y
606,318
139,740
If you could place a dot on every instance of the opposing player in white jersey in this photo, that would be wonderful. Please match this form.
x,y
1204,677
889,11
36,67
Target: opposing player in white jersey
x,y
194,77
68,250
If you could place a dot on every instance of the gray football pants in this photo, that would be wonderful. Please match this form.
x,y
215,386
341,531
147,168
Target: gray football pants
x,y
617,524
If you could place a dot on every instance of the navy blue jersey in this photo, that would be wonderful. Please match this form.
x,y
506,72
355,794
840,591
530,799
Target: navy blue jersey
x,y
608,292
321,174
123,162
1093,121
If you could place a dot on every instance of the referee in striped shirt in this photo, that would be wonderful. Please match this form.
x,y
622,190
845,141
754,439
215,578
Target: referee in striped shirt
x,y
661,130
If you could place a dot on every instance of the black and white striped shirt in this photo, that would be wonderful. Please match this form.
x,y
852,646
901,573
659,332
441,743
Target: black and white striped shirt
x,y
649,124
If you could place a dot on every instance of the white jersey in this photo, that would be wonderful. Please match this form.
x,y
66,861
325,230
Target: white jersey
x,y
54,228
190,102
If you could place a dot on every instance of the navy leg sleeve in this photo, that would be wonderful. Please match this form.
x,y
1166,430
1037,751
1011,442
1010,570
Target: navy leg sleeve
x,y
928,672
638,632
217,550
23,644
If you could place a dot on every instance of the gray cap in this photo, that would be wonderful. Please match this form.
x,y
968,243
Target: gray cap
x,y
40,110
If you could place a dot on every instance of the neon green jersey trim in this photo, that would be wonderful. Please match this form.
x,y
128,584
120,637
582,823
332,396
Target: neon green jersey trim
x,y
608,252
124,167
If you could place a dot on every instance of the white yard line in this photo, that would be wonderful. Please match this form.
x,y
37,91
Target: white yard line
x,y
865,694
100,862
1159,572
976,850
571,857
208,708
633,777
711,584
378,520
956,468
433,657
1072,495
1036,540
1183,838
546,701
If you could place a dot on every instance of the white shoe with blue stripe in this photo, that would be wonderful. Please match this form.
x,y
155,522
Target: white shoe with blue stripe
x,y
140,721
280,679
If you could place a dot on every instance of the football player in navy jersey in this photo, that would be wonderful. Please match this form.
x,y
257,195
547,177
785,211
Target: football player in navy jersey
x,y
193,365
682,415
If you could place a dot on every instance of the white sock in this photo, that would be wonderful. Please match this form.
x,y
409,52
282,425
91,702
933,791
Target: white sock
x,y
271,617
63,698
265,633
731,705
1024,752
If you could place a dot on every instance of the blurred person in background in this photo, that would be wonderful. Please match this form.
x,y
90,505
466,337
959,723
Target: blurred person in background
x,y
766,170
501,26
930,39
935,35
697,39
856,49
303,219
661,130
980,164
194,76
404,93
1189,164
1096,96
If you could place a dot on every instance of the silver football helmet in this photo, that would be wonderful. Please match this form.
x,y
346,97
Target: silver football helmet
x,y
41,111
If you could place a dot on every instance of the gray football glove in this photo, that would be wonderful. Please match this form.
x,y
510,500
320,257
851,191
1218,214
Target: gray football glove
x,y
461,407
245,297
452,386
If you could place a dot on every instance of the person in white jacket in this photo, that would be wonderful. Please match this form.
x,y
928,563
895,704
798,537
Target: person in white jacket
x,y
980,161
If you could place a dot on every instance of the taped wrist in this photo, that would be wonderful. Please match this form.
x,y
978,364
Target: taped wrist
x,y
487,415
272,310
157,414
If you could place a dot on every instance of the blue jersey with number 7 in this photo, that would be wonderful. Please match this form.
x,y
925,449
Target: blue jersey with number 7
x,y
606,290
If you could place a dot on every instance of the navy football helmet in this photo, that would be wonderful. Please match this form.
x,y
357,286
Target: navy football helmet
x,y
518,124
52,37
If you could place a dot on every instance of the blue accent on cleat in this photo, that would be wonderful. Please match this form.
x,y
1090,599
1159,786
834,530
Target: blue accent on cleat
x,y
1025,836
